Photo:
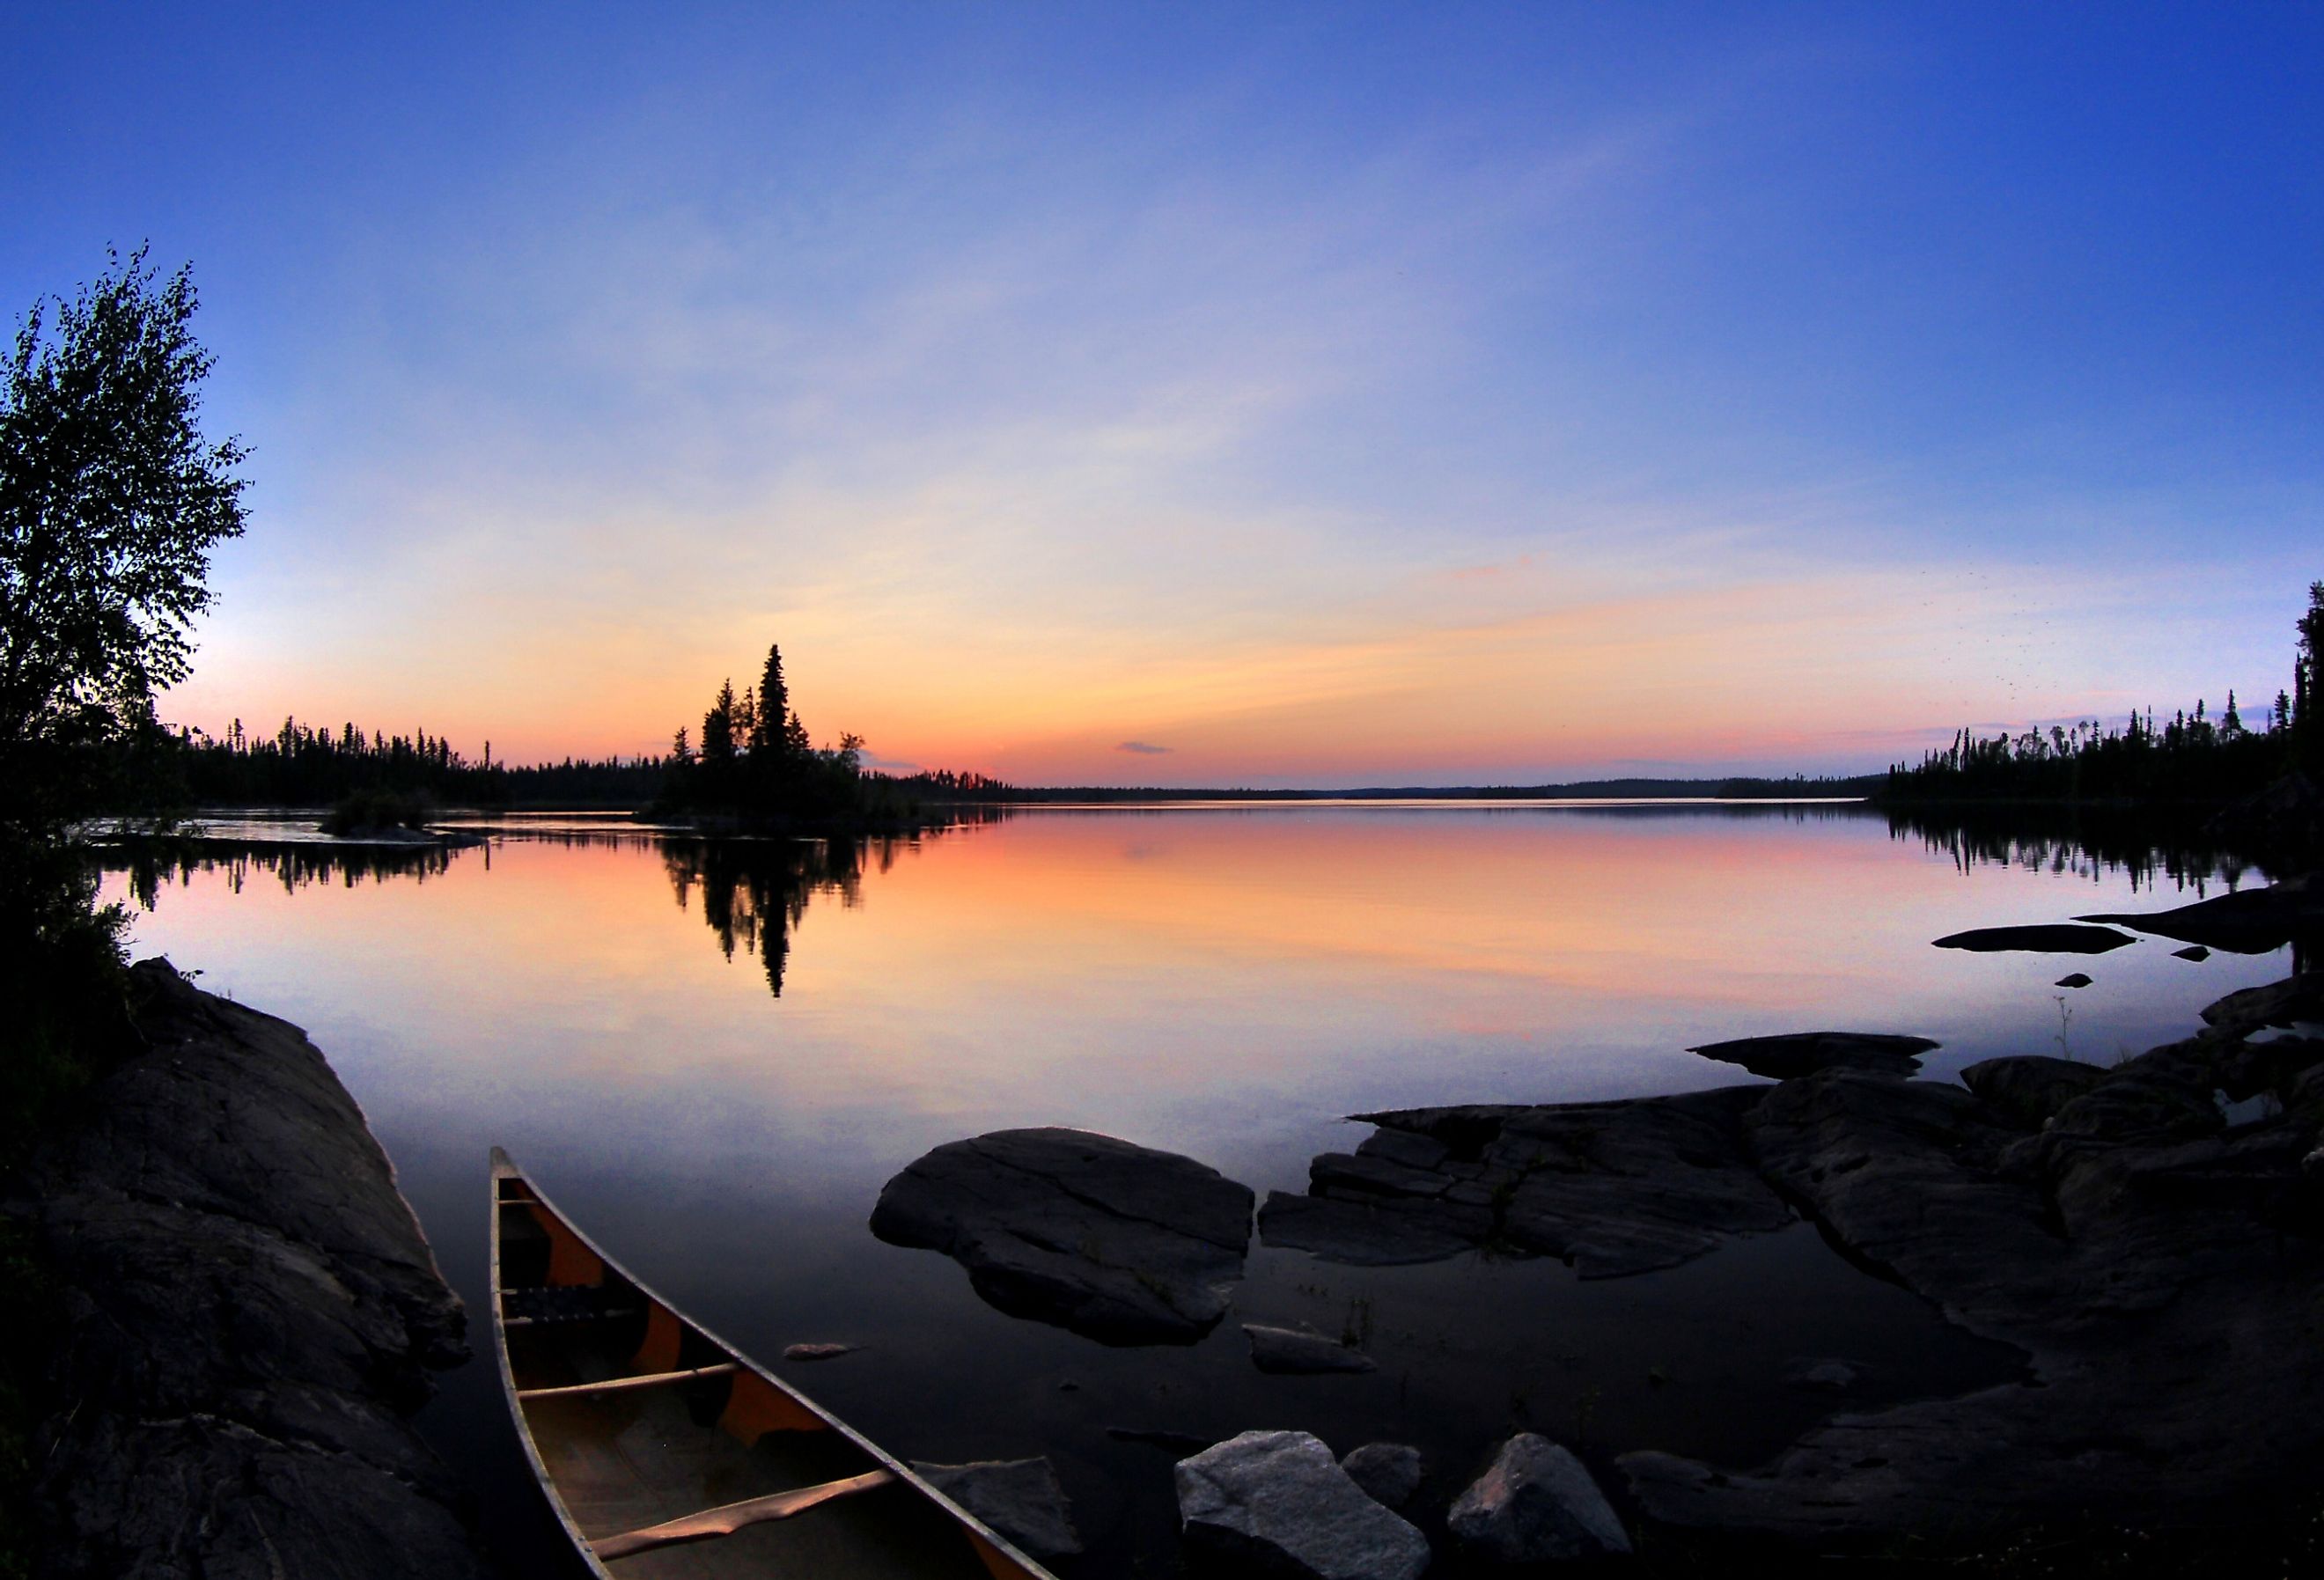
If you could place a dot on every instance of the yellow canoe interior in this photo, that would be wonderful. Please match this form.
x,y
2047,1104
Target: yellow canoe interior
x,y
670,1457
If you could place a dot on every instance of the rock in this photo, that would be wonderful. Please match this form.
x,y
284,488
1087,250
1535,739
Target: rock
x,y
1536,1505
253,1312
1802,1053
1021,1499
2249,921
2073,979
1112,1241
1388,1473
1302,1351
1614,1188
2191,952
1277,1502
818,1352
2051,938
2289,1002
2029,1088
1822,1376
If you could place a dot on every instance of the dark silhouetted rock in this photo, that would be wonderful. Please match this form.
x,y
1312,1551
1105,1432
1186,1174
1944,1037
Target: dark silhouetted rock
x,y
2049,938
2074,979
1388,1473
1019,1498
2249,921
2191,952
1300,1350
1803,1053
818,1352
1614,1188
1278,1503
2029,1088
251,1313
2289,1002
1823,1376
1535,1505
1116,1241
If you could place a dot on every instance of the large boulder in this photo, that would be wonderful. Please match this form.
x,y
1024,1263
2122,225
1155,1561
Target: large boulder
x,y
1113,1241
251,1313
2029,1088
1537,1504
1021,1499
1389,1472
1278,1503
1803,1053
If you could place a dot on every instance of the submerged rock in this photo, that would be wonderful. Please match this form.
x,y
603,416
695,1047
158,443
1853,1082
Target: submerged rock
x,y
1802,1053
1116,1241
1302,1351
252,1312
1536,1505
2195,952
818,1352
1388,1473
1021,1499
1278,1503
2073,979
2049,938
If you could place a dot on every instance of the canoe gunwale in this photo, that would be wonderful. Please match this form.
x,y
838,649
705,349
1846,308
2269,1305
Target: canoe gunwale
x,y
503,1166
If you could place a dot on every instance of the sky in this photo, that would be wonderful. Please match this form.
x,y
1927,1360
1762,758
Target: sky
x,y
1262,395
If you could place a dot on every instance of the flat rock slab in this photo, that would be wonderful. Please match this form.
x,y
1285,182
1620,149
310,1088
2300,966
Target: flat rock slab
x,y
1613,1188
1301,1351
1021,1499
2249,921
1278,1503
2029,1089
2049,938
1113,1241
1803,1053
253,1312
1536,1505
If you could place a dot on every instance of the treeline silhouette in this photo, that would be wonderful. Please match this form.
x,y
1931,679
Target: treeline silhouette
x,y
2186,759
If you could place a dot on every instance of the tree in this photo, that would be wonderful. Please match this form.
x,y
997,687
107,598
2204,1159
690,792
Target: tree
x,y
110,502
2307,727
774,705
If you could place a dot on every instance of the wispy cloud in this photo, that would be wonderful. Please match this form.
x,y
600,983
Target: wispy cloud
x,y
1143,749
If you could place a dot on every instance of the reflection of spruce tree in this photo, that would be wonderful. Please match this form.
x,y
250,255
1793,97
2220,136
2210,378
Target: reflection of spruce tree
x,y
755,893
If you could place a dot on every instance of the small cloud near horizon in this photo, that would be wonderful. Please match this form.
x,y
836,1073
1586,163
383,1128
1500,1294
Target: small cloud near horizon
x,y
1143,749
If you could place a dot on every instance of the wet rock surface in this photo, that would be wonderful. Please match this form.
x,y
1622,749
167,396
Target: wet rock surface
x,y
1278,1503
1612,1187
1536,1505
252,1311
2046,938
1388,1473
1021,1499
1803,1053
1113,1241
2249,921
1302,1351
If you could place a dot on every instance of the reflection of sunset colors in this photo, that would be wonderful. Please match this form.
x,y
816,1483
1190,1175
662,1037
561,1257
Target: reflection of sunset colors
x,y
1154,975
1202,394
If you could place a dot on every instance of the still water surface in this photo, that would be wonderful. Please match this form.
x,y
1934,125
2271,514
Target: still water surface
x,y
715,1056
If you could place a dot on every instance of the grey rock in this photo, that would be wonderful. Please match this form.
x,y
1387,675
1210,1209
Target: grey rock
x,y
1302,1351
252,1313
1355,1233
1388,1473
1278,1503
814,1352
1116,1241
1537,1504
1021,1499
2047,938
1802,1053
2028,1089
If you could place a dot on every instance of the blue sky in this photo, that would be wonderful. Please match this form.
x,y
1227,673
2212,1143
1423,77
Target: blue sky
x,y
1322,394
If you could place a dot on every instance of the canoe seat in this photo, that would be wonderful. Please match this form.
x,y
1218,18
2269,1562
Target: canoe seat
x,y
559,1303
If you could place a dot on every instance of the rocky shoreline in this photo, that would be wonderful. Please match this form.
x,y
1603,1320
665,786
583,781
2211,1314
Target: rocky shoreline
x,y
251,1315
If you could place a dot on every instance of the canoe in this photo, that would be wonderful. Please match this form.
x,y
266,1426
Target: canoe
x,y
669,1454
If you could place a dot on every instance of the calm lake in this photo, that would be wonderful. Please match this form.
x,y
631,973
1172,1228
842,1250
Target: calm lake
x,y
1227,981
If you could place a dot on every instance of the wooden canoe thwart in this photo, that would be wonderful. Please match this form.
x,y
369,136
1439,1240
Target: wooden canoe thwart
x,y
669,1454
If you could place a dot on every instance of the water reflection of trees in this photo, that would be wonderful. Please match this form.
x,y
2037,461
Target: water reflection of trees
x,y
2149,847
149,864
753,893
